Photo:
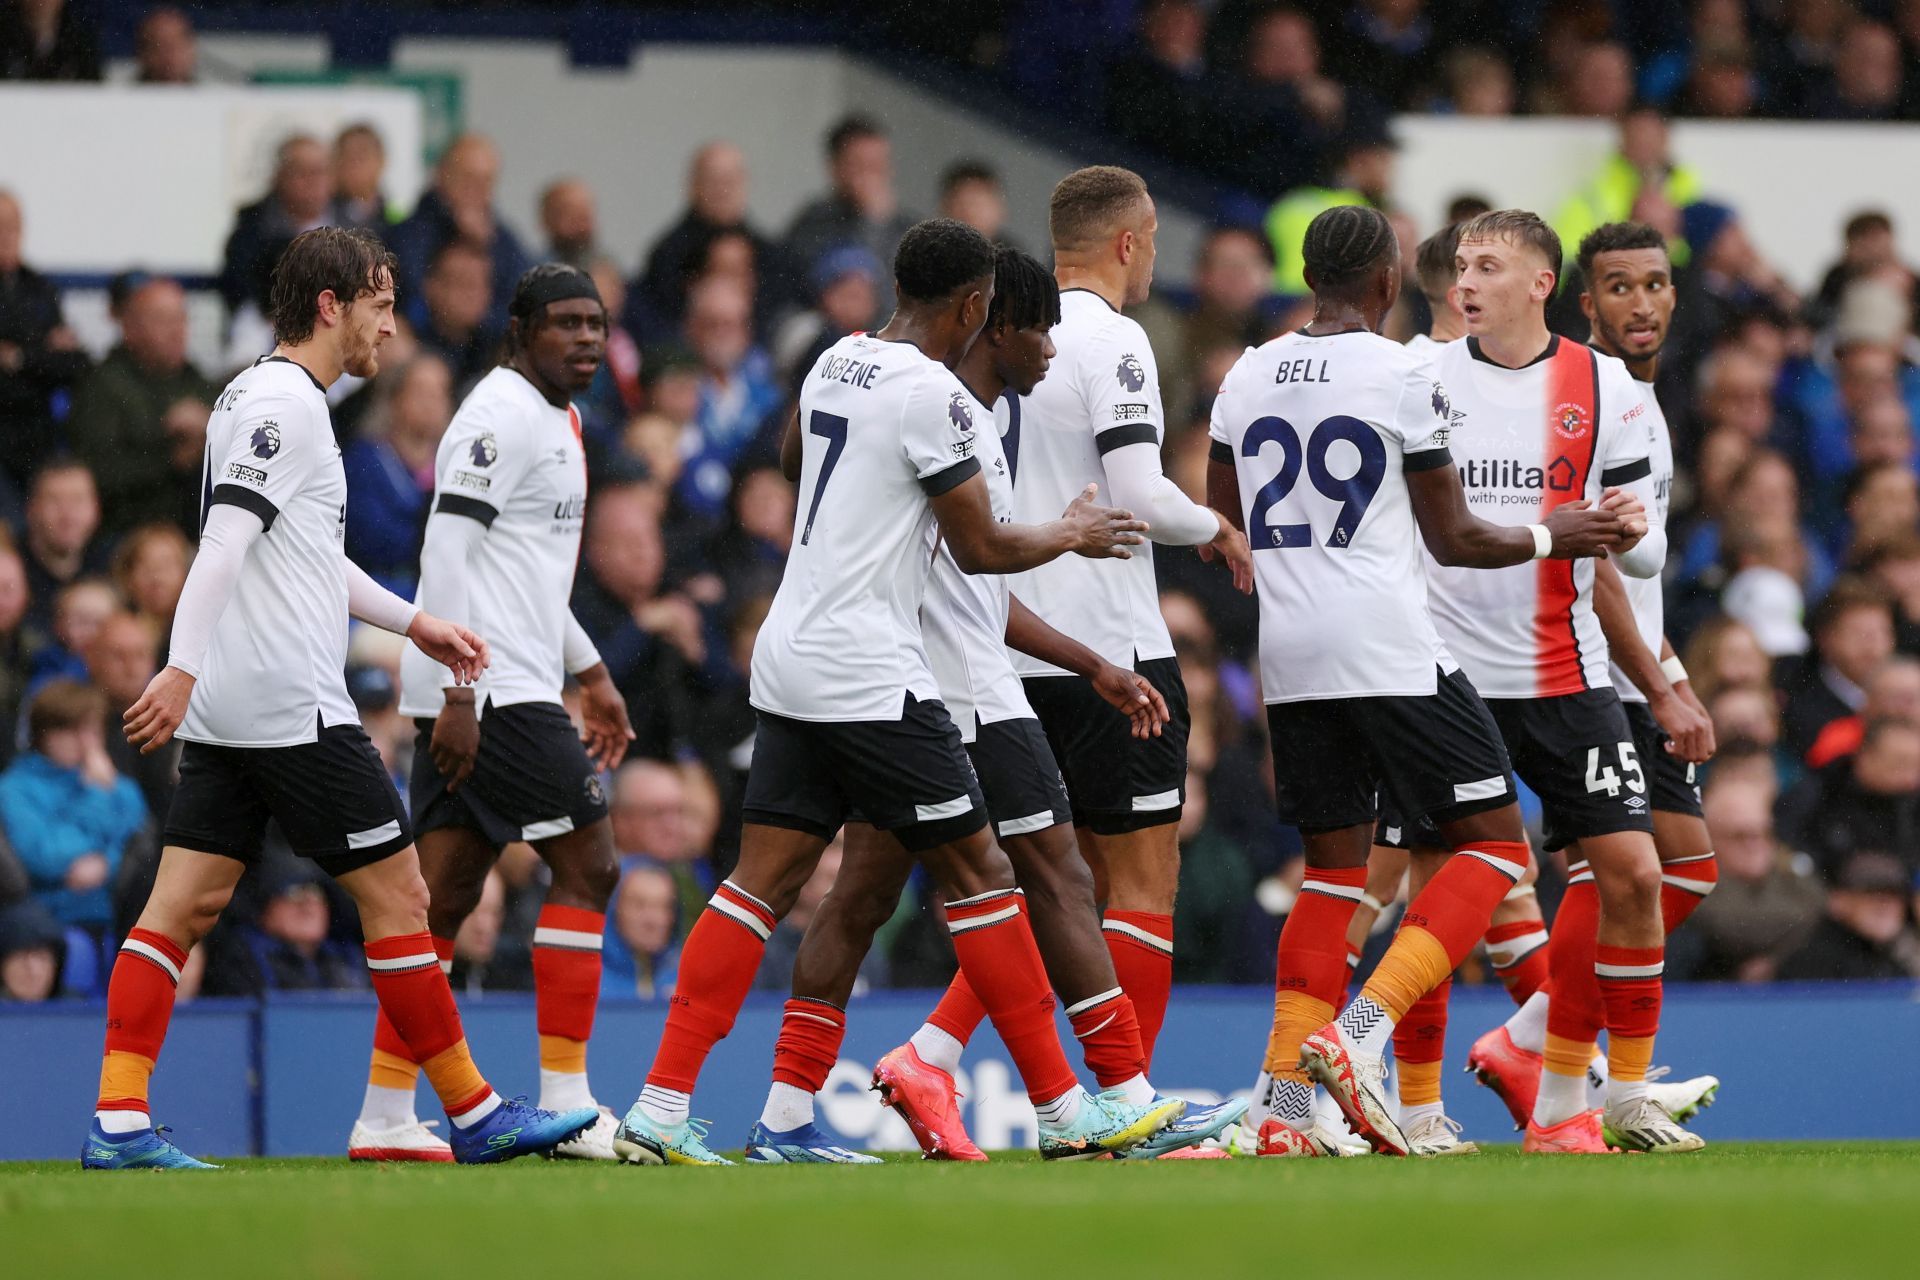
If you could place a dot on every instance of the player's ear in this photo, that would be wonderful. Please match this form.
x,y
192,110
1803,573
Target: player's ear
x,y
1123,245
1586,305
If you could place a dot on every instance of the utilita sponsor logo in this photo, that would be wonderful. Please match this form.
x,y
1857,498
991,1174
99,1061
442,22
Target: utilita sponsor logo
x,y
1505,473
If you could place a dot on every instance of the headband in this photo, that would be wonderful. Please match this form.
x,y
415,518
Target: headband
x,y
532,297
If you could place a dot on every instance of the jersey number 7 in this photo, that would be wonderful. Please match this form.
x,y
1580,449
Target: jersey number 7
x,y
1354,493
833,428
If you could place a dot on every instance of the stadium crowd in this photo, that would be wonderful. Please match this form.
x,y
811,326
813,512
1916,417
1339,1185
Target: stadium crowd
x,y
1794,585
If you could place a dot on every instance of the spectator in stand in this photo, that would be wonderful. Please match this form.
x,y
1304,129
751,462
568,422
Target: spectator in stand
x,y
731,258
1895,568
1881,504
860,206
1643,160
1867,801
1869,251
1827,397
1479,82
149,570
1233,305
1729,275
1602,84
615,394
737,391
1866,935
67,811
165,48
359,164
15,656
459,306
1284,114
1721,84
390,470
1852,632
63,514
459,206
1865,83
649,815
39,358
288,946
298,199
122,657
1892,693
32,946
140,418
751,552
1881,434
48,40
1763,909
1362,173
1157,90
1725,654
640,956
971,192
79,610
716,202
846,289
567,220
1391,47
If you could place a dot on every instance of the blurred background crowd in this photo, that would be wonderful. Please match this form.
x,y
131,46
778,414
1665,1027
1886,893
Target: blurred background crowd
x,y
1793,589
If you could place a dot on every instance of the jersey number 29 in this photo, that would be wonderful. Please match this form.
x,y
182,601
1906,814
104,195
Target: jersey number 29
x,y
1354,493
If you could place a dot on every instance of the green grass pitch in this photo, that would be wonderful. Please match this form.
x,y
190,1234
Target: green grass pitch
x,y
1737,1210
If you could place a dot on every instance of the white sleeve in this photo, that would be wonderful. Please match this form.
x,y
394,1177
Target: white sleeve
x,y
230,529
1423,420
274,446
372,603
576,649
481,461
450,542
1138,484
1628,465
1122,384
937,423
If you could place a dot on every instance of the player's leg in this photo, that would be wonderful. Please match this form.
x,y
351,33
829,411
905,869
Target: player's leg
x,y
1420,1047
190,890
1507,1059
567,939
1387,868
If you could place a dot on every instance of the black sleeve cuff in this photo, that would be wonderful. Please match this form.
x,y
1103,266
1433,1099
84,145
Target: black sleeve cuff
x,y
1221,453
238,495
952,478
1130,433
1427,460
459,504
1627,472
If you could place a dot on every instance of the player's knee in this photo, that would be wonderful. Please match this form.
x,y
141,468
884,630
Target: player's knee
x,y
197,915
1631,886
406,896
1065,883
590,876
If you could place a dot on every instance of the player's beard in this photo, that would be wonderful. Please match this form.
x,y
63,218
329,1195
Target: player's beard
x,y
362,356
1616,341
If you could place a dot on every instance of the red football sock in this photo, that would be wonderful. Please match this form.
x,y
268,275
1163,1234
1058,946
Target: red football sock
x,y
1443,923
959,1012
996,949
1109,1035
1630,980
1141,943
566,984
1420,1046
717,965
809,1043
1310,968
414,994
1576,1013
139,1006
393,1066
1518,952
1684,885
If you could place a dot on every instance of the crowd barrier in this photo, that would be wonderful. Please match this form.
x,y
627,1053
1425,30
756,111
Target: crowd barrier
x,y
283,1076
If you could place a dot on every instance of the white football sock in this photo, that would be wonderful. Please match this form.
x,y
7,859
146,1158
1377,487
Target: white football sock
x,y
384,1108
474,1115
119,1122
666,1107
1366,1027
787,1108
1597,1081
937,1048
564,1090
1138,1091
1260,1105
1410,1117
1560,1098
1528,1026
1293,1104
1061,1111
1621,1092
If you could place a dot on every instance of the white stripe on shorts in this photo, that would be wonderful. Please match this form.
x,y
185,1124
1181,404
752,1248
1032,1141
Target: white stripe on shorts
x,y
379,835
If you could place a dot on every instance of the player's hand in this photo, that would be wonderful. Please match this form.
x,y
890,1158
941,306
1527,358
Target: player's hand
x,y
150,722
1230,545
451,645
1101,532
603,713
1687,724
1632,513
1134,695
456,739
1579,529
87,872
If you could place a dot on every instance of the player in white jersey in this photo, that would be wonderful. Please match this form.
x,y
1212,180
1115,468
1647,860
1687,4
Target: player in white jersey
x,y
1098,416
255,686
849,716
967,621
1332,444
1629,299
1540,421
500,761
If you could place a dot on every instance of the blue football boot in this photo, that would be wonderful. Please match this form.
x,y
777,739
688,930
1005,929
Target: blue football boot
x,y
803,1145
517,1129
1198,1125
144,1149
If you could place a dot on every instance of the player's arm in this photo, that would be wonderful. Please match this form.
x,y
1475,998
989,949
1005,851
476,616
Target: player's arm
x,y
1128,691
1688,726
1629,491
606,730
981,544
790,450
1458,537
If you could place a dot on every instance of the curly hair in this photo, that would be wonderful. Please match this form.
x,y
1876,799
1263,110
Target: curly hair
x,y
347,263
938,256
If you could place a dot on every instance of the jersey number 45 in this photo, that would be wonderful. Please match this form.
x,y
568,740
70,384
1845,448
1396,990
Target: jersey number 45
x,y
1354,493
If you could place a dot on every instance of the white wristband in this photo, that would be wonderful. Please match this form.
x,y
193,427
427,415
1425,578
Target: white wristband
x,y
1673,669
1542,541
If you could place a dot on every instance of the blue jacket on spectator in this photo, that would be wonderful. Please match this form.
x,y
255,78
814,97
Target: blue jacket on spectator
x,y
386,514
54,816
730,421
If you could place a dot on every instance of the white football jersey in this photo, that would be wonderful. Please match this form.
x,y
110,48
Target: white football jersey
x,y
1102,391
514,462
1648,595
883,429
1321,432
1423,346
1564,427
275,671
964,616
